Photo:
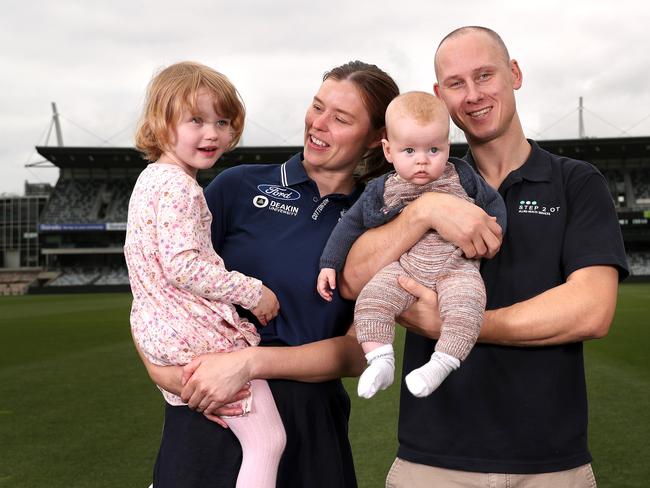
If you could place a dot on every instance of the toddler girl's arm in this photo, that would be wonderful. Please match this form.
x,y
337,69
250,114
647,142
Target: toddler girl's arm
x,y
267,307
183,227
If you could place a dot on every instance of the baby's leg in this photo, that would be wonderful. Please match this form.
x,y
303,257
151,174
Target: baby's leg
x,y
380,301
461,297
262,438
380,372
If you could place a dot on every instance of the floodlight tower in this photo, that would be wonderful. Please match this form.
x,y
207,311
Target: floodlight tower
x,y
581,122
57,125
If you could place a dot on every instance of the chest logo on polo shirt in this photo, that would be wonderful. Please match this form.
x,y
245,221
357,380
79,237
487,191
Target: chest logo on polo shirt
x,y
279,192
535,207
260,201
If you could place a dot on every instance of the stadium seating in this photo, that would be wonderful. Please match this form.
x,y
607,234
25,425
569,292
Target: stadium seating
x,y
641,181
78,276
84,201
17,282
113,276
639,263
75,277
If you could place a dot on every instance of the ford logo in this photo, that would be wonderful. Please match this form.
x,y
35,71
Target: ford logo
x,y
279,192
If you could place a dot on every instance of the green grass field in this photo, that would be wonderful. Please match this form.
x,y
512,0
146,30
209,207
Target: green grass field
x,y
77,409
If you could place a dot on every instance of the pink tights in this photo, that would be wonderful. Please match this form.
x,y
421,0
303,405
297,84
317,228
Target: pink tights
x,y
262,438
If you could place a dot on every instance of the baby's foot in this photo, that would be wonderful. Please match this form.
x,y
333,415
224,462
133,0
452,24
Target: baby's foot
x,y
380,372
423,381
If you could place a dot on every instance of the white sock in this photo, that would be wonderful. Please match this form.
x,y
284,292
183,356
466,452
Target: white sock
x,y
424,380
380,371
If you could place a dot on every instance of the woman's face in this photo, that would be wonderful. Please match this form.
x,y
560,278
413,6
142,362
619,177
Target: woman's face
x,y
337,128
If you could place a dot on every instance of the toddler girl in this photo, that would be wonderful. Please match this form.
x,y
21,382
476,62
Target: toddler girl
x,y
182,294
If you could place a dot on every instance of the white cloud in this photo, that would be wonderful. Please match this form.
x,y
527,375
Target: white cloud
x,y
95,59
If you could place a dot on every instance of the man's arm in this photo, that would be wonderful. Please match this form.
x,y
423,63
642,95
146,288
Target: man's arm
x,y
456,220
580,309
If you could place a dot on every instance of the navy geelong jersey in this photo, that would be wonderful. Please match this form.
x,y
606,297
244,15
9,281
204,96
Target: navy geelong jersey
x,y
270,222
516,409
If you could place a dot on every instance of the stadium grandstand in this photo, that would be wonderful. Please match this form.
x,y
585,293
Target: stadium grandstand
x,y
70,237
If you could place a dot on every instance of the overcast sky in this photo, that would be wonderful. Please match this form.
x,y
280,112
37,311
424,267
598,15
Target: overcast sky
x,y
94,59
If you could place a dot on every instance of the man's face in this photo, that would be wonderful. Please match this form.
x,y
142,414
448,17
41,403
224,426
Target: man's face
x,y
477,84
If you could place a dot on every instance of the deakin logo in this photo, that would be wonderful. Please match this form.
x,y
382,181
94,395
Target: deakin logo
x,y
260,201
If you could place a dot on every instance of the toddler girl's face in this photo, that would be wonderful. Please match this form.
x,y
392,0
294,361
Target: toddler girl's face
x,y
419,152
200,137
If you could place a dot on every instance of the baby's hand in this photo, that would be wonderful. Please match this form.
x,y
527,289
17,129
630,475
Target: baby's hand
x,y
326,283
267,307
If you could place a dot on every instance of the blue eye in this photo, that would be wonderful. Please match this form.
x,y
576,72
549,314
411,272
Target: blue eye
x,y
433,150
223,123
409,150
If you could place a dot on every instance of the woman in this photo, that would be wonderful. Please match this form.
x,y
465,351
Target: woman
x,y
272,222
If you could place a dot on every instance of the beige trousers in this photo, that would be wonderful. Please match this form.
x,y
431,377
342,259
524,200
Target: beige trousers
x,y
404,474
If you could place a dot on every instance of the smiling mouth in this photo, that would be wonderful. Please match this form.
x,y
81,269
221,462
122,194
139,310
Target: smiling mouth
x,y
318,142
479,113
208,149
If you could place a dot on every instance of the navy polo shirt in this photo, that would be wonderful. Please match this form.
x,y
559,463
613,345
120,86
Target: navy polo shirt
x,y
515,409
270,222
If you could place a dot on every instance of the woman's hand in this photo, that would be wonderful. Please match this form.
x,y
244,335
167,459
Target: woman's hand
x,y
213,380
423,317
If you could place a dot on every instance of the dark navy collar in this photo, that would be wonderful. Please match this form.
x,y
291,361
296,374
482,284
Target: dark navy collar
x,y
292,172
536,168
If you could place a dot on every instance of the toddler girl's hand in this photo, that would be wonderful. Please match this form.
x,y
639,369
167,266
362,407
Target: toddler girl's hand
x,y
326,283
267,307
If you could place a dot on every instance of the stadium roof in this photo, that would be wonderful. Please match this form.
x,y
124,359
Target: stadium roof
x,y
627,151
127,157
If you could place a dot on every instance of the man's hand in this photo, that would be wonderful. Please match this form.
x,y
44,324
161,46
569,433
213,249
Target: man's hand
x,y
462,223
423,317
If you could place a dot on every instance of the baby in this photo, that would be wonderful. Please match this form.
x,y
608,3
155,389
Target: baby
x,y
417,144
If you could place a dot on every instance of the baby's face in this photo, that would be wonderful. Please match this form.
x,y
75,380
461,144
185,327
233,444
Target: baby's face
x,y
419,152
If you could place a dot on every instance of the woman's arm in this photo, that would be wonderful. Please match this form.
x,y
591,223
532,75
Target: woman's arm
x,y
170,378
213,378
456,220
167,377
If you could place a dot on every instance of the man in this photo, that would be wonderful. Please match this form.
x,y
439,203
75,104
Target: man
x,y
516,412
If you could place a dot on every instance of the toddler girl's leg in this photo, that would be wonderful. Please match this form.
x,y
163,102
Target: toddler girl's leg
x,y
262,438
195,452
461,298
380,301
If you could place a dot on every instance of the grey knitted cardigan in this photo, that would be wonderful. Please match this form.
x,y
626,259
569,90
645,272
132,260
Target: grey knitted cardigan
x,y
369,211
